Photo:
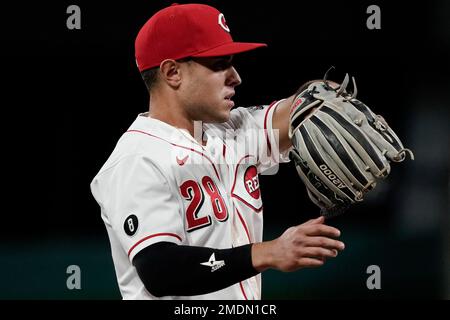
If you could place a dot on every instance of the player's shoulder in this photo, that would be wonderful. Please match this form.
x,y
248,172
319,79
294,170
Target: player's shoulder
x,y
246,112
121,163
145,140
240,118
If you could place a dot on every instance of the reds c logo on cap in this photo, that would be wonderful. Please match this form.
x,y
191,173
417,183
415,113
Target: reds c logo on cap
x,y
187,30
223,23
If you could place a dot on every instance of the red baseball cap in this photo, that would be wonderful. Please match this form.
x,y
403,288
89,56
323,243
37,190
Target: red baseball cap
x,y
187,30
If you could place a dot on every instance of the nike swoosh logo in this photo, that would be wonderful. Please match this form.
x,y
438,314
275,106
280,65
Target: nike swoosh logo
x,y
182,161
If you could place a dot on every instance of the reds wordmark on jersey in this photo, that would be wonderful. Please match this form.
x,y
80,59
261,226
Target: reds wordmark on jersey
x,y
159,184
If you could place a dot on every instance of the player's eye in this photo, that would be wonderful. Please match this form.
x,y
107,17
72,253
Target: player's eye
x,y
222,65
216,64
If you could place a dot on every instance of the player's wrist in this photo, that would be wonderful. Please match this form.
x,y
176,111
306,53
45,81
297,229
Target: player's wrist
x,y
262,255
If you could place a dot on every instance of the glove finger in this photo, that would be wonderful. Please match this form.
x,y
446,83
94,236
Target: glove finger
x,y
318,192
381,141
331,163
328,211
384,137
362,145
342,153
302,103
319,163
356,111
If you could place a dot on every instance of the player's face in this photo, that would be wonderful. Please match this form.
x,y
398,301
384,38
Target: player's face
x,y
208,87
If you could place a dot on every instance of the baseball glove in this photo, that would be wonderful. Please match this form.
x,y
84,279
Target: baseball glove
x,y
341,148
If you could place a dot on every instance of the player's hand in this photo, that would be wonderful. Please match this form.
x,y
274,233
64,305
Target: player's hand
x,y
302,246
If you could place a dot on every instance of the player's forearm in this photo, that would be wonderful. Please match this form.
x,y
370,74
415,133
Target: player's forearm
x,y
167,269
262,255
271,255
280,122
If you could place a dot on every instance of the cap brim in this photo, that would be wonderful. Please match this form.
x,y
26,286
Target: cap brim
x,y
229,49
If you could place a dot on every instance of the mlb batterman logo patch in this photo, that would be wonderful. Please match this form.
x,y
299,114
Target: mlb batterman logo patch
x,y
223,23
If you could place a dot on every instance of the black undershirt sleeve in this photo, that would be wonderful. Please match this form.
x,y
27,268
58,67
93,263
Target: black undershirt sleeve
x,y
167,269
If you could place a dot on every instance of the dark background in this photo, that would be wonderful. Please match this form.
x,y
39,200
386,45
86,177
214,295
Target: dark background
x,y
68,95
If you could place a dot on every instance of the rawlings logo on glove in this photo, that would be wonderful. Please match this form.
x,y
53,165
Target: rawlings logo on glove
x,y
341,148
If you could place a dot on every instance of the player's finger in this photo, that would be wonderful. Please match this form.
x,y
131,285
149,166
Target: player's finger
x,y
319,253
324,242
318,220
310,262
322,230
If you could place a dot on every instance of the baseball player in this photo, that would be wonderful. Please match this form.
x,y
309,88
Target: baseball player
x,y
179,194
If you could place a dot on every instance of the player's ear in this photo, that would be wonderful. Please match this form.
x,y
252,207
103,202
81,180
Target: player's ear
x,y
170,72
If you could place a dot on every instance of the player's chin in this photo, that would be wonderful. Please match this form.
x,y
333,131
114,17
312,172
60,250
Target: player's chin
x,y
223,117
219,113
224,114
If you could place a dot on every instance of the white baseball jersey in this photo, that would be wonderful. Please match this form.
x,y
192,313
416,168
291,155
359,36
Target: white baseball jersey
x,y
159,184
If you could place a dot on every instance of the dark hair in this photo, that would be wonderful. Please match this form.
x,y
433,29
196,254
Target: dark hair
x,y
150,77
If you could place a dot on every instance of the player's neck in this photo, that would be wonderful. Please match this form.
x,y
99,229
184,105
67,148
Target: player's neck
x,y
176,118
195,134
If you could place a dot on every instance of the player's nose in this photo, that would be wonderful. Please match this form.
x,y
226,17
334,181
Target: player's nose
x,y
233,78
